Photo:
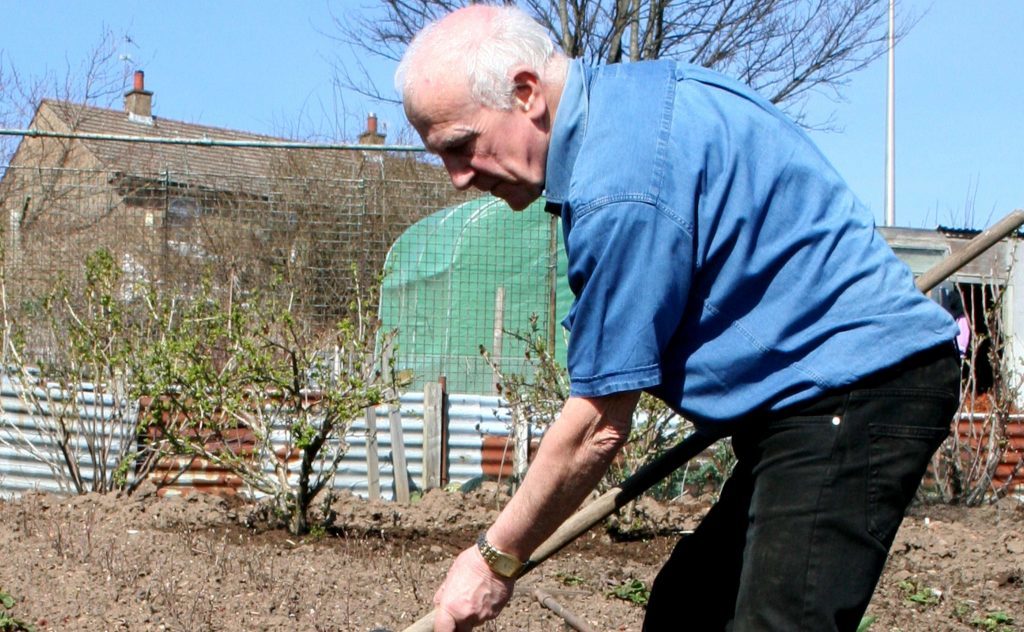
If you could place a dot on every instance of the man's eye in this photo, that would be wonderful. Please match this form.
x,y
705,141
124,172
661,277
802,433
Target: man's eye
x,y
461,148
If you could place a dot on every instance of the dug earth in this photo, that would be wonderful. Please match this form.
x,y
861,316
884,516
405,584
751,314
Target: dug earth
x,y
146,562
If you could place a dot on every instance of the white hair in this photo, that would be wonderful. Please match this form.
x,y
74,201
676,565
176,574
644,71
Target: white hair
x,y
485,57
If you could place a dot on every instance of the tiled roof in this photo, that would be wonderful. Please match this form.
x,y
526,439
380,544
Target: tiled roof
x,y
968,233
191,160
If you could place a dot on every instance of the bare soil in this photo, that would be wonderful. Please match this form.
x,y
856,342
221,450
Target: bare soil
x,y
147,562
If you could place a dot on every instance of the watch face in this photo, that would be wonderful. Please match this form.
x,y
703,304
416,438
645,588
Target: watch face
x,y
505,567
501,563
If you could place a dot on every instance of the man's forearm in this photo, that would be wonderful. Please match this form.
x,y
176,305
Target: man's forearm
x,y
575,453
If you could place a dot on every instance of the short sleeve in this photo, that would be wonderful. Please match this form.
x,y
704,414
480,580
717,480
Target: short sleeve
x,y
630,269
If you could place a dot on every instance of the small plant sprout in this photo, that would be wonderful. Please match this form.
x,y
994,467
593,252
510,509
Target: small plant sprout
x,y
569,579
7,622
920,594
997,621
631,590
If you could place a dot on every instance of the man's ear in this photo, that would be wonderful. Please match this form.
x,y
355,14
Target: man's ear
x,y
528,96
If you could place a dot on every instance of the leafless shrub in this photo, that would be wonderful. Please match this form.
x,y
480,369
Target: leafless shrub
x,y
538,392
978,464
82,420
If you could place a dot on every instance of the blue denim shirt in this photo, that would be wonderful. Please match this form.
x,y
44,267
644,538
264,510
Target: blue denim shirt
x,y
716,257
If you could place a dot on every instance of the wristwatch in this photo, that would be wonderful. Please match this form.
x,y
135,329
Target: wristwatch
x,y
508,566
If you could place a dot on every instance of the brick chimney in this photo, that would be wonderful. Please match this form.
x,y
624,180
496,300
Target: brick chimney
x,y
371,136
138,102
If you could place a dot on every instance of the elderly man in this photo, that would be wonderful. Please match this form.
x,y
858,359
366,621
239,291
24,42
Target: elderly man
x,y
719,263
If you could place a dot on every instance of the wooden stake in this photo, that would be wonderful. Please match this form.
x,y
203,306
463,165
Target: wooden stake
x,y
499,331
372,462
400,472
431,435
520,447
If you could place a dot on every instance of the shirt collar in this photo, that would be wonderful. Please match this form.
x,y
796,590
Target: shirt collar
x,y
566,136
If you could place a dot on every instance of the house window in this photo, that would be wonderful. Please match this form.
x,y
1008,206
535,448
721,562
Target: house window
x,y
182,212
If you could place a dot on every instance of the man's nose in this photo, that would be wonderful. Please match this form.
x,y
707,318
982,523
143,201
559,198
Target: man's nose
x,y
460,172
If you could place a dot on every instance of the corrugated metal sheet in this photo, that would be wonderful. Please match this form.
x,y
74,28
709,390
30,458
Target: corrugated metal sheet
x,y
478,447
478,429
26,423
1014,436
471,419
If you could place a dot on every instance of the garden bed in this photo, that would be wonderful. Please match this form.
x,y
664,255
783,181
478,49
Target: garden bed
x,y
147,562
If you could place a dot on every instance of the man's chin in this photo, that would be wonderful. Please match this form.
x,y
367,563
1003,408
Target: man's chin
x,y
518,199
518,205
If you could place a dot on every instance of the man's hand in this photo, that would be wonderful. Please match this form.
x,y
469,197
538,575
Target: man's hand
x,y
575,453
471,594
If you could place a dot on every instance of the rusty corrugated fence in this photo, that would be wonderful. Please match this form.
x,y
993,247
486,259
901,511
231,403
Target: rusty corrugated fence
x,y
478,446
474,423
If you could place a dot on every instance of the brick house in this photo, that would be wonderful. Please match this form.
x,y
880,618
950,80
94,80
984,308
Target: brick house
x,y
166,210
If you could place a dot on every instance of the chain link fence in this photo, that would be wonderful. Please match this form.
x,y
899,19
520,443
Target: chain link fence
x,y
452,271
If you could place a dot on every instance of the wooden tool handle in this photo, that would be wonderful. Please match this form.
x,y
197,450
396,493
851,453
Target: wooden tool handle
x,y
605,505
943,269
423,624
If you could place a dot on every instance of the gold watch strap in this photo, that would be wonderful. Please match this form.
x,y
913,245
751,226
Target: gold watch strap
x,y
508,566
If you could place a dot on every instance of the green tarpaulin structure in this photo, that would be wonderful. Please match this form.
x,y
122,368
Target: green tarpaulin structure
x,y
471,276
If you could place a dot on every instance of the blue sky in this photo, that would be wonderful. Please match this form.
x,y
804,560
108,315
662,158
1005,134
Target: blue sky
x,y
266,67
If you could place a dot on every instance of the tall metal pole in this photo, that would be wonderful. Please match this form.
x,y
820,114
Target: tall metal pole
x,y
890,127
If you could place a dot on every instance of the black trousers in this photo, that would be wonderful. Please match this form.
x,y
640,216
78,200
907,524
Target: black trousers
x,y
803,526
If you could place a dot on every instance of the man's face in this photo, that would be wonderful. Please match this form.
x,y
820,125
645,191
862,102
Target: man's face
x,y
500,152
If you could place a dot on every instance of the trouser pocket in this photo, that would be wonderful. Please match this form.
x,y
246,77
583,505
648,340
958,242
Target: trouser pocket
x,y
901,442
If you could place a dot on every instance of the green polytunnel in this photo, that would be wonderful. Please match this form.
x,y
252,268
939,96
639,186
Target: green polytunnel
x,y
468,276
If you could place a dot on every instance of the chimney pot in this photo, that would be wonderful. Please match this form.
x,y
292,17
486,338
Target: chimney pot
x,y
371,136
138,102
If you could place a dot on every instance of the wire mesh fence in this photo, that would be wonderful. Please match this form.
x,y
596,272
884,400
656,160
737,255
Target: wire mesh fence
x,y
452,272
476,276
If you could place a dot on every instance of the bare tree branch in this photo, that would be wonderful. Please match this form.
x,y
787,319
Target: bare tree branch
x,y
97,80
785,49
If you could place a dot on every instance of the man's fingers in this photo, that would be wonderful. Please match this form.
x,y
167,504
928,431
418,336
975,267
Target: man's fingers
x,y
470,594
444,621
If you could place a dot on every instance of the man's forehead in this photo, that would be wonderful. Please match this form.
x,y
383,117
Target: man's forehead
x,y
430,97
441,113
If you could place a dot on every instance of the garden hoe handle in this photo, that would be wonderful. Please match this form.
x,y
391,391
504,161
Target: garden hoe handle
x,y
943,269
605,505
660,468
